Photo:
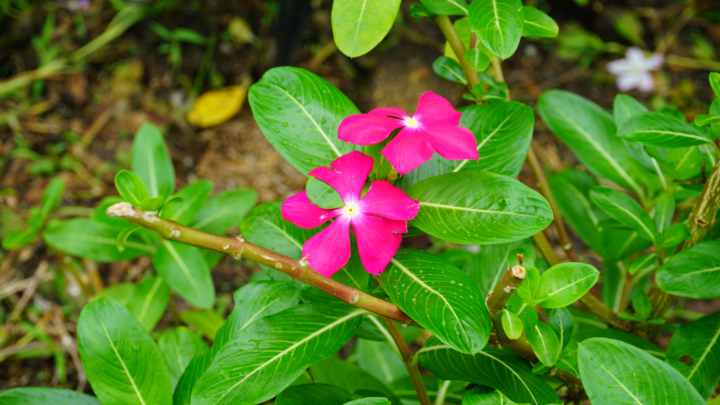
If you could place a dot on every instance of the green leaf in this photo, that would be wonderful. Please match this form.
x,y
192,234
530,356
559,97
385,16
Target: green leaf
x,y
193,198
322,195
185,270
523,310
661,130
272,352
476,59
642,263
130,187
17,239
478,208
529,288
625,108
624,209
359,25
183,391
675,234
544,342
501,369
299,113
485,396
590,132
585,332
495,126
205,321
351,378
538,24
99,215
487,267
225,210
120,292
380,359
418,11
179,346
692,273
149,300
664,211
498,24
702,120
86,238
122,362
562,322
152,203
449,69
715,83
440,297
45,396
512,325
123,236
447,7
565,283
151,161
614,372
52,196
370,401
313,394
695,352
642,305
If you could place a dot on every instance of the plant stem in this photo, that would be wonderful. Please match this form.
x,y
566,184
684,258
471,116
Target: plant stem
x,y
546,249
407,360
505,288
239,248
458,47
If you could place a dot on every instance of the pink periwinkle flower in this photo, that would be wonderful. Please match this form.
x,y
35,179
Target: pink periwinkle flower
x,y
633,72
378,218
433,128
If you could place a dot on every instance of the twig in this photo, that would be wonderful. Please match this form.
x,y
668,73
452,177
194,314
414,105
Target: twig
x,y
458,47
29,291
97,126
407,360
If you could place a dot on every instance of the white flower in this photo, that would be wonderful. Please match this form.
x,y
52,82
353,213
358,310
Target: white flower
x,y
634,71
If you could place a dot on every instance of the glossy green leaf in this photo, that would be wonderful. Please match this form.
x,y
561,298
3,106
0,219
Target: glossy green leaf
x,y
370,401
18,238
538,24
120,292
351,378
151,161
624,209
523,310
446,7
149,300
179,346
661,130
205,321
123,237
359,25
590,132
715,83
614,372
272,352
45,396
299,113
544,342
642,263
642,305
674,235
93,240
622,243
512,325
477,59
584,332
418,11
488,266
52,196
498,24
182,395
479,208
193,198
152,203
225,210
485,396
702,120
380,359
529,289
695,352
122,362
692,273
664,211
625,108
501,369
561,321
686,163
130,187
99,215
185,270
313,394
449,69
440,297
565,283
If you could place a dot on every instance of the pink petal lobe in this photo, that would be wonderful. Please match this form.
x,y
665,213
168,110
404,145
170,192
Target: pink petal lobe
x,y
451,142
328,251
387,201
366,129
347,176
433,110
377,241
407,151
389,112
299,210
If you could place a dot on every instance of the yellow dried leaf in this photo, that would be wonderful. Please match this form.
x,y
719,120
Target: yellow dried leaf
x,y
217,106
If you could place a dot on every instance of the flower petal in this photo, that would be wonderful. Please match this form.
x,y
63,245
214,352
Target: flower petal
x,y
299,210
390,112
407,151
377,241
618,67
433,110
328,251
646,82
347,176
451,142
387,201
367,129
635,56
629,81
654,62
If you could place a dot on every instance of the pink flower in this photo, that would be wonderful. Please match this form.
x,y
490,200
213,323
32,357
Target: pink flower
x,y
378,218
433,128
634,71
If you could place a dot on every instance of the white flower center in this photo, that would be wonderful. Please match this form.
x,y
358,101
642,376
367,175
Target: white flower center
x,y
412,123
351,210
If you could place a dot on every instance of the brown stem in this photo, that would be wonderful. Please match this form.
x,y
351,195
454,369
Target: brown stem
x,y
407,360
239,248
505,288
458,47
546,249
